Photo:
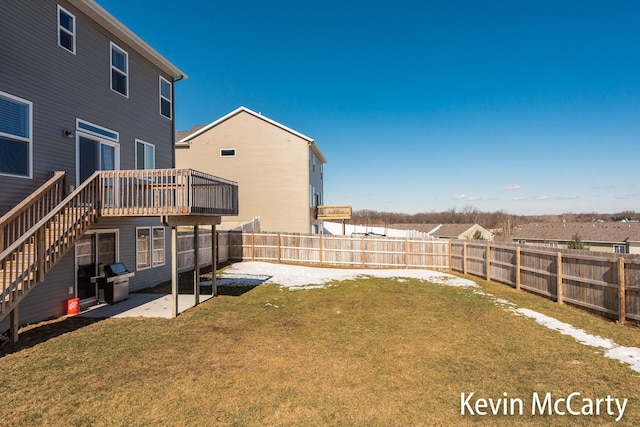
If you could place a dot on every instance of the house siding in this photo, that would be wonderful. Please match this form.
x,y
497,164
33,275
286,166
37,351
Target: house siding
x,y
76,86
64,87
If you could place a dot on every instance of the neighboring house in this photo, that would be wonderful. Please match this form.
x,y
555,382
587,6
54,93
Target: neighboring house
x,y
449,231
80,93
616,237
279,170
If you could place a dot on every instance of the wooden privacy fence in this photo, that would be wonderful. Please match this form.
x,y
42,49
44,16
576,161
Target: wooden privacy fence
x,y
607,283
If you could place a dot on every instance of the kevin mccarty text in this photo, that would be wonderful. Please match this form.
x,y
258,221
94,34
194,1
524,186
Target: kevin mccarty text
x,y
573,404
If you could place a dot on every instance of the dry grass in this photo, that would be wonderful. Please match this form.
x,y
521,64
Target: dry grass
x,y
365,352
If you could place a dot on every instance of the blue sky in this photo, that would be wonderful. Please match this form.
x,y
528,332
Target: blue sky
x,y
419,106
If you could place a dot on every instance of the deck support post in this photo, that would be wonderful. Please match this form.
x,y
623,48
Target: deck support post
x,y
214,260
174,271
196,262
14,324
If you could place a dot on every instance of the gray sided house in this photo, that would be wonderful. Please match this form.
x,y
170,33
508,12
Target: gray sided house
x,y
614,237
80,93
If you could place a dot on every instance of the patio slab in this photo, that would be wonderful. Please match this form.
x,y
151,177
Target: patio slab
x,y
143,305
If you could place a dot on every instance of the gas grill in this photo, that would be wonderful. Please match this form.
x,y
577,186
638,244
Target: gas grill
x,y
113,286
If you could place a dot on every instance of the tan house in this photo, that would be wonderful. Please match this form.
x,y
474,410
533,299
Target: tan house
x,y
279,170
616,237
449,231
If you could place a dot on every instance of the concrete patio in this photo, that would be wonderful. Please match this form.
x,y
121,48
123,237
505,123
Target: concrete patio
x,y
143,305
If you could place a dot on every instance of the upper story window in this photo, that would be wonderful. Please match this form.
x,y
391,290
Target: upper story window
x,y
165,98
552,244
66,30
119,70
16,143
227,152
145,155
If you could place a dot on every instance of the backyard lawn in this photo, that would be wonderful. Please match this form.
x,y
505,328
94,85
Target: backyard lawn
x,y
376,351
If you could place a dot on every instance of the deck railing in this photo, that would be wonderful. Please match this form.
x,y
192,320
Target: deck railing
x,y
155,192
27,213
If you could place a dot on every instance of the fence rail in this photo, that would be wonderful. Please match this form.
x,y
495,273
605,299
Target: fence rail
x,y
607,283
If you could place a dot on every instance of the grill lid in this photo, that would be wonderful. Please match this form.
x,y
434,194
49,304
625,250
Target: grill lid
x,y
115,269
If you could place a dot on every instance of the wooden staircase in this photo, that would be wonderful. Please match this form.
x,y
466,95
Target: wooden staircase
x,y
37,233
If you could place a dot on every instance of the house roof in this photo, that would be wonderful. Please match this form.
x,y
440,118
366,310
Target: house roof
x,y
181,134
588,231
437,230
106,20
424,228
183,138
452,230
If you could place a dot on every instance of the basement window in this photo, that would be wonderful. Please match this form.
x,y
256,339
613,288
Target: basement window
x,y
227,152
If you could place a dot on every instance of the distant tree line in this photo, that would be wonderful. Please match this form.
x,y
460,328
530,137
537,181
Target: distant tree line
x,y
501,222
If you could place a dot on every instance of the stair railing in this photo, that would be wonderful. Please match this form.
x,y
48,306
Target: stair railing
x,y
25,262
27,213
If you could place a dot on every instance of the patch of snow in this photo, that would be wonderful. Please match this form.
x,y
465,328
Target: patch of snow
x,y
296,277
629,355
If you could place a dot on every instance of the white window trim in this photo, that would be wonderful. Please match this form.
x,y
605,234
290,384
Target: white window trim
x,y
228,155
28,140
111,68
79,122
99,137
100,231
164,247
623,247
170,100
139,141
61,28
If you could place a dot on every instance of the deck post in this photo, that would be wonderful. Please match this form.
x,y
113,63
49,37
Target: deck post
x,y
14,324
214,260
174,271
196,262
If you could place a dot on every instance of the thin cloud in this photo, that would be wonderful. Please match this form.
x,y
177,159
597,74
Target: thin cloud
x,y
511,187
459,196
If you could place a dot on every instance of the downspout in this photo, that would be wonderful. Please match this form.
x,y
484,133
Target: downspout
x,y
173,121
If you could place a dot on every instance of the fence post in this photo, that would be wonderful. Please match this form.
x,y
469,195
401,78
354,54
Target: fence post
x,y
450,246
518,268
279,248
363,252
622,299
559,271
488,261
320,249
464,257
406,252
253,248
